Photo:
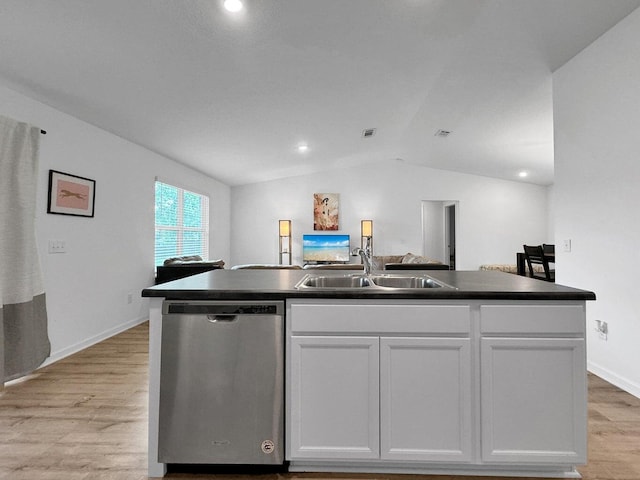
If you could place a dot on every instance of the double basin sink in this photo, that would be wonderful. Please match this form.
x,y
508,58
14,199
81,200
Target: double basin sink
x,y
373,281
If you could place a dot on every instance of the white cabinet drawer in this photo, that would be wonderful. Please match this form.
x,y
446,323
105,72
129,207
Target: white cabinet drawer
x,y
377,318
532,319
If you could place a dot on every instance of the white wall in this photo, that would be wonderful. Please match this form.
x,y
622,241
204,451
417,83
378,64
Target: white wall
x,y
496,216
597,193
110,255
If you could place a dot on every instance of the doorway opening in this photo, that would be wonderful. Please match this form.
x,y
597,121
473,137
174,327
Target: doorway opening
x,y
439,225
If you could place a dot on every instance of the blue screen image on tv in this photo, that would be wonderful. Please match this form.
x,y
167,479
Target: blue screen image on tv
x,y
325,248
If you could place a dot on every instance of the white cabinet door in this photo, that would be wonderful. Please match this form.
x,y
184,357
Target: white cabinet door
x,y
334,397
533,398
425,391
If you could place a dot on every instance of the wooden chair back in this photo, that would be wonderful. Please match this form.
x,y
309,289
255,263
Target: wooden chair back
x,y
534,255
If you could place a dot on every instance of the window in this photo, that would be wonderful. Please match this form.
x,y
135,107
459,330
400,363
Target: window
x,y
182,223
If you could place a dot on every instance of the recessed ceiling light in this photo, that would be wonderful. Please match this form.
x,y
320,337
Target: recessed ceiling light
x,y
233,5
303,147
523,174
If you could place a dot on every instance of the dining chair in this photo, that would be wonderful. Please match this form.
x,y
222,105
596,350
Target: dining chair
x,y
534,255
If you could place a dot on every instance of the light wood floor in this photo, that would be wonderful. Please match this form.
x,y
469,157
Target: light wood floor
x,y
85,418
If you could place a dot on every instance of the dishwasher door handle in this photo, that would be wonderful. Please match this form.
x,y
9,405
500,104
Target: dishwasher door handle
x,y
221,318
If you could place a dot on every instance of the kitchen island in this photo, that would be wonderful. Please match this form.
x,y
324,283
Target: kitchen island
x,y
485,375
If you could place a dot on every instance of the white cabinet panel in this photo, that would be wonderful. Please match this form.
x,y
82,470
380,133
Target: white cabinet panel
x,y
400,385
383,319
425,402
334,397
550,320
533,400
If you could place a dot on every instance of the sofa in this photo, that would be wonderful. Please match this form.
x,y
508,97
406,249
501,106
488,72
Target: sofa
x,y
323,266
266,266
334,266
499,267
408,261
509,268
185,266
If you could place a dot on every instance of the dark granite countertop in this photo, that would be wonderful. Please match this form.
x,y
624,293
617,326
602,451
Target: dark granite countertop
x,y
280,284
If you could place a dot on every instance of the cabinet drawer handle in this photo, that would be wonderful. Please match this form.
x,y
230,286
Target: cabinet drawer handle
x,y
221,318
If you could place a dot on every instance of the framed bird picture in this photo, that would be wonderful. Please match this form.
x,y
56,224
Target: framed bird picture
x,y
70,194
326,211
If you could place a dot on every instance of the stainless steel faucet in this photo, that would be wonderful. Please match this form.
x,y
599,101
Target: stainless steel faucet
x,y
365,253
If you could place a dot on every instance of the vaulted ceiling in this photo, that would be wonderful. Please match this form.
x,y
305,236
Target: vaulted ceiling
x,y
234,95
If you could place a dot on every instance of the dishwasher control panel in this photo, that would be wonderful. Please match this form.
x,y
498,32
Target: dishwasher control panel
x,y
219,308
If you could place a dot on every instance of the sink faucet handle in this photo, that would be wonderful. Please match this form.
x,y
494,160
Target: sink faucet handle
x,y
366,258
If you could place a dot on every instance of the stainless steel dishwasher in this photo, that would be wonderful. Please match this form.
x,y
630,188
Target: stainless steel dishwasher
x,y
221,383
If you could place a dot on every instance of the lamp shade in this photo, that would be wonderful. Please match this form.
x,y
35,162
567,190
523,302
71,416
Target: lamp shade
x,y
366,228
285,228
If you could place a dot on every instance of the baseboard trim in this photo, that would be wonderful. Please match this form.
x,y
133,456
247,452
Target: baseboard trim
x,y
617,380
542,471
77,347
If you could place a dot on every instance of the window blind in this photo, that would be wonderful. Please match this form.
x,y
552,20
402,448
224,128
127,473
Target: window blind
x,y
182,223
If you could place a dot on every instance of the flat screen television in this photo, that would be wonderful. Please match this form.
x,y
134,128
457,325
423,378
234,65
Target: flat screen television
x,y
327,248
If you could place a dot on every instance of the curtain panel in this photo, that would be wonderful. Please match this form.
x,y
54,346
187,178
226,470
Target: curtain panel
x,y
24,338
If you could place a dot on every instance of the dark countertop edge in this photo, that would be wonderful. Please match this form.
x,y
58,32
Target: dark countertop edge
x,y
257,285
351,294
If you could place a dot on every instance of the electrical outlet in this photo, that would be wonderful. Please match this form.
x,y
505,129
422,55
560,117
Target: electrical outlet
x,y
602,328
129,298
57,246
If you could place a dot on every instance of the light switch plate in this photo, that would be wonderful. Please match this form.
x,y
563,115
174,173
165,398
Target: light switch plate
x,y
567,245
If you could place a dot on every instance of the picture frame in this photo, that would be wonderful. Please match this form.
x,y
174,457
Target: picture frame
x,y
326,211
71,195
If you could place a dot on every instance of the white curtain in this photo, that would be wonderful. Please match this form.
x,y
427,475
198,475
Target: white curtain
x,y
24,340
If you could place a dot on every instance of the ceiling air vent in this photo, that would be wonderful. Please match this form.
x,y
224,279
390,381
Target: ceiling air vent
x,y
442,133
369,132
